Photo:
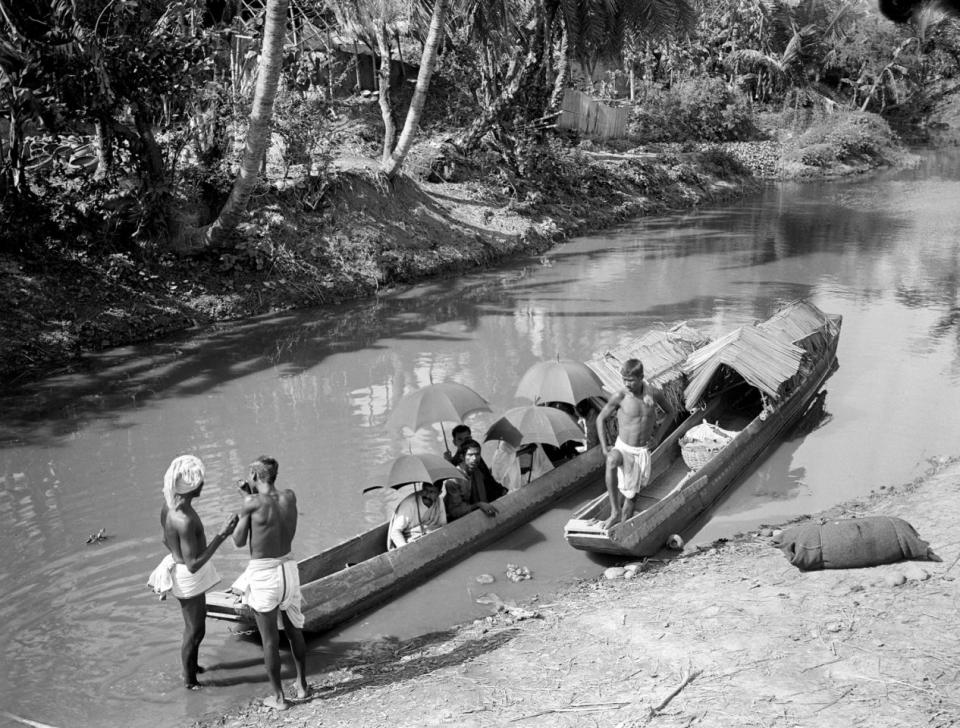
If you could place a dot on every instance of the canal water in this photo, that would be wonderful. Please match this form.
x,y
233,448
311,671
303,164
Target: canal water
x,y
84,642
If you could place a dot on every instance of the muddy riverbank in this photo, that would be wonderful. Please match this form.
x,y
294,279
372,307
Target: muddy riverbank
x,y
725,635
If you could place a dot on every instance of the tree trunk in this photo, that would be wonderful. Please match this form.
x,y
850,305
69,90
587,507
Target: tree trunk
x,y
258,132
427,63
103,144
151,158
563,72
386,103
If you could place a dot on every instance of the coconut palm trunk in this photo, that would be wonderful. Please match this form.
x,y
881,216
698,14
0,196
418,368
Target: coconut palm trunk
x,y
258,132
386,101
391,167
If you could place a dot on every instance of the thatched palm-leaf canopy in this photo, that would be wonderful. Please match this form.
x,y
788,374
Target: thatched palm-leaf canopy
x,y
662,353
765,355
762,358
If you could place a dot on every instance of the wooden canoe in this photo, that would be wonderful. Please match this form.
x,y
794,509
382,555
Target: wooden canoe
x,y
676,496
355,575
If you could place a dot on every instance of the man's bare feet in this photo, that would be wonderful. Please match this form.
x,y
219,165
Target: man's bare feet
x,y
303,691
611,522
192,685
272,701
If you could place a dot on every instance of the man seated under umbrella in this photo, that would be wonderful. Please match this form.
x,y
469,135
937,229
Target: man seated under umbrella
x,y
474,493
416,515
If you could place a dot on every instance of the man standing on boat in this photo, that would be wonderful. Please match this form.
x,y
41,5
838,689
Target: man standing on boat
x,y
271,582
186,572
629,460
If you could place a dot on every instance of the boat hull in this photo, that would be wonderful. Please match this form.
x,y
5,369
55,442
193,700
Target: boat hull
x,y
647,532
334,592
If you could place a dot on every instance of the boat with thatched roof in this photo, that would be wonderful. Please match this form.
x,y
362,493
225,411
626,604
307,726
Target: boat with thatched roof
x,y
743,392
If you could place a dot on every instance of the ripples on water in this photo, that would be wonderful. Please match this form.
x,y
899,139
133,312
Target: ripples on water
x,y
86,451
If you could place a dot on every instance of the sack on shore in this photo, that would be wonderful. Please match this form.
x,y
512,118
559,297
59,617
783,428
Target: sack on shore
x,y
853,543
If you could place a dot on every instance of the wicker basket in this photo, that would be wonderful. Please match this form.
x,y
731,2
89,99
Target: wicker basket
x,y
701,443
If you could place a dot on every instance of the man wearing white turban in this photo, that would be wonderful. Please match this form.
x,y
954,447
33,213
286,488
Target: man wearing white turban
x,y
186,572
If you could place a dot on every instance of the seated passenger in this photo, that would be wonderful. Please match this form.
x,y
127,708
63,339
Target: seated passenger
x,y
478,488
416,515
517,467
570,448
459,434
587,413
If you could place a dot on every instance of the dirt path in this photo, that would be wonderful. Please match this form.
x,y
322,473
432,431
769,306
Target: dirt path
x,y
729,636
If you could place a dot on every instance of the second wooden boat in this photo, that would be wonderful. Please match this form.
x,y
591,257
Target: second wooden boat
x,y
755,383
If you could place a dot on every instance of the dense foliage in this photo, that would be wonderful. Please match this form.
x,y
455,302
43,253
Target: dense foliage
x,y
123,120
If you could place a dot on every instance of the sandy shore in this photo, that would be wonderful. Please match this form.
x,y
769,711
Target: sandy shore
x,y
730,635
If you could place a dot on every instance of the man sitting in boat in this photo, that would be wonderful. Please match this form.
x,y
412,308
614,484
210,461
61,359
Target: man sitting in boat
x,y
570,448
629,460
416,515
459,434
474,493
514,468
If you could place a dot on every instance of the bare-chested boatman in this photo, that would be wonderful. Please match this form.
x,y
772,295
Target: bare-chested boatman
x,y
629,460
271,581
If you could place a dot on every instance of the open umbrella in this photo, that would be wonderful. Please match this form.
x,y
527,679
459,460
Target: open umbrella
x,y
418,468
442,402
533,423
563,380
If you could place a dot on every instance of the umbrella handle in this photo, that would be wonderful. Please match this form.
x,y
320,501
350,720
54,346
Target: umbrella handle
x,y
444,433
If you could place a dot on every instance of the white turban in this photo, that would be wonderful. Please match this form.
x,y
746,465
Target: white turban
x,y
184,475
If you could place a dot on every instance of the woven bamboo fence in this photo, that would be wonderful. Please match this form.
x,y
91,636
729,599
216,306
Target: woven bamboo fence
x,y
591,118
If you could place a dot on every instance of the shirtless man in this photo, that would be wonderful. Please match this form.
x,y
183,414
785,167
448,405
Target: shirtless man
x,y
629,460
271,581
187,572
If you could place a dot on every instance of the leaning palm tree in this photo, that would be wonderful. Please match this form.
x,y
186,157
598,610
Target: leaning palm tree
x,y
428,61
381,19
258,132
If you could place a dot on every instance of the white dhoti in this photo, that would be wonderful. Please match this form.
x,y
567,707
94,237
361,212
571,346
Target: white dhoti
x,y
270,583
173,578
634,472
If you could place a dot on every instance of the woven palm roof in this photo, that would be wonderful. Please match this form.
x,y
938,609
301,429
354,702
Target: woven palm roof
x,y
762,357
795,322
662,353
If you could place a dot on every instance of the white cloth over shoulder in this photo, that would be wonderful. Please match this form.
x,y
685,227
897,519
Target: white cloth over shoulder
x,y
173,578
634,473
270,583
505,466
413,519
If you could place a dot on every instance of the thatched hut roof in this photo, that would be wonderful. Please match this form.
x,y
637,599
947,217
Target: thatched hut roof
x,y
765,355
662,353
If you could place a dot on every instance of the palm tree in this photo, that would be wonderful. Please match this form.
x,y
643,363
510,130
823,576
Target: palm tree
x,y
428,61
258,133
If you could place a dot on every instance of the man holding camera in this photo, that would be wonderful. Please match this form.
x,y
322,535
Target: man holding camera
x,y
271,581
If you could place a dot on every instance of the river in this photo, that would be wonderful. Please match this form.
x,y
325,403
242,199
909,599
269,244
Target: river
x,y
84,642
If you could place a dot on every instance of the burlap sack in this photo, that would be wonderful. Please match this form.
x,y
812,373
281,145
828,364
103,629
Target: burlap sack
x,y
853,543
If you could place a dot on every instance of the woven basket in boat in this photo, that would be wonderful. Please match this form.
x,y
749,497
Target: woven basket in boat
x,y
701,443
